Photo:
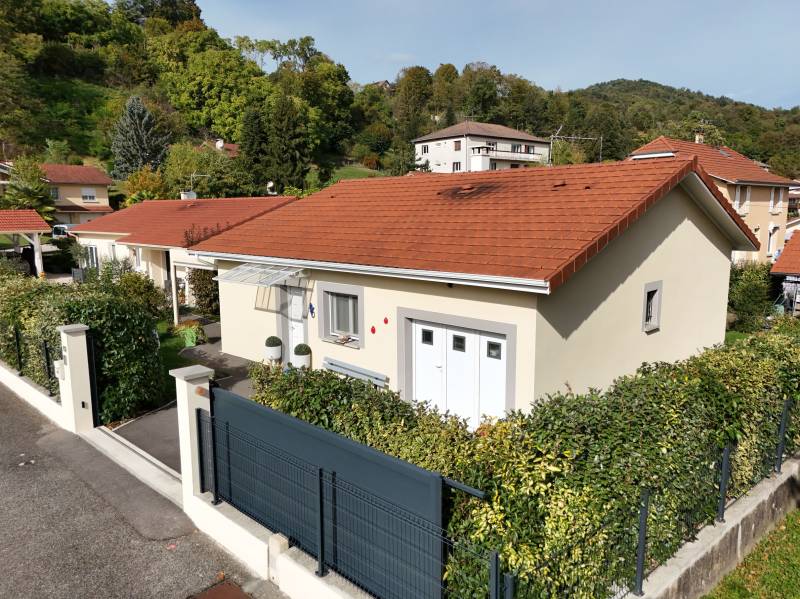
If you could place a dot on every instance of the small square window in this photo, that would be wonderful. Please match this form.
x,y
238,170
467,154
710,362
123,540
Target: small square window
x,y
459,343
494,350
457,145
425,149
427,336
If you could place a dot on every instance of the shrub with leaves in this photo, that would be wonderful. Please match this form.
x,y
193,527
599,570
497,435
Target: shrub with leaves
x,y
129,370
564,480
748,295
205,290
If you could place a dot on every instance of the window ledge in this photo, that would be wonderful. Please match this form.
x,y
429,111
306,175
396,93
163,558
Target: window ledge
x,y
354,344
651,328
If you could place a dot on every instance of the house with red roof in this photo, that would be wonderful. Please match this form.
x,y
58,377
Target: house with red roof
x,y
154,235
483,292
760,197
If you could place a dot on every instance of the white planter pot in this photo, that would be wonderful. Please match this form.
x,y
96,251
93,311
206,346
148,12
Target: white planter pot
x,y
301,361
273,353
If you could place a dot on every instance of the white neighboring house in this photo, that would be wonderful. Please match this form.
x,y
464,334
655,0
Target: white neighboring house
x,y
473,146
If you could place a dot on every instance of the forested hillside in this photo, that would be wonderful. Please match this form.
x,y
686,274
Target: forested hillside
x,y
68,67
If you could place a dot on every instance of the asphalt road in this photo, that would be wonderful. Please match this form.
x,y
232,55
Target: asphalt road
x,y
74,524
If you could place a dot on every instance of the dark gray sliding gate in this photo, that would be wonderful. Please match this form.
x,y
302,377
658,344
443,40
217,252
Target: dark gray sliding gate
x,y
371,517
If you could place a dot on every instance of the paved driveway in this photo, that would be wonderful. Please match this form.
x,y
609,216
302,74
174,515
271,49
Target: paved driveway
x,y
74,524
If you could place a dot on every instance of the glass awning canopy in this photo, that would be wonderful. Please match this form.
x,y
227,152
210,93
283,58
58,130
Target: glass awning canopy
x,y
261,275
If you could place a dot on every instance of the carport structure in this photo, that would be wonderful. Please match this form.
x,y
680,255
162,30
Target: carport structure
x,y
28,225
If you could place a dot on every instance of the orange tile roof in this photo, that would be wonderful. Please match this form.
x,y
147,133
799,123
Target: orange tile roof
x,y
75,174
22,221
722,162
167,222
535,224
788,263
480,129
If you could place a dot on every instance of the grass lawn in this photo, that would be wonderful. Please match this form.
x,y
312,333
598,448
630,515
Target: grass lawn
x,y
171,344
355,171
772,570
733,336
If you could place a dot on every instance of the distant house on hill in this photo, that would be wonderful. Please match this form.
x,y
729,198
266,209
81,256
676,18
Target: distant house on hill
x,y
471,146
760,197
80,192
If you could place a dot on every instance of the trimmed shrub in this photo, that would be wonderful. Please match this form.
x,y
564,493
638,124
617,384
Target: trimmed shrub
x,y
273,341
205,290
564,480
748,295
129,370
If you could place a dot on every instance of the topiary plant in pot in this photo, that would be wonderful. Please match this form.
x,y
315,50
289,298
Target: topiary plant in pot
x,y
302,356
273,348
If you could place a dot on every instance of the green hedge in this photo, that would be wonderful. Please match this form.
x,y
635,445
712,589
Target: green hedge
x,y
120,316
564,479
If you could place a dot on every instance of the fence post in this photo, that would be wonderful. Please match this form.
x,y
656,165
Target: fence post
x,y
782,435
191,387
494,575
320,523
48,367
641,549
75,386
508,586
725,474
18,346
214,469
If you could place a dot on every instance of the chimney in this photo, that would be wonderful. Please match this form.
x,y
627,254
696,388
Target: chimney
x,y
698,137
219,144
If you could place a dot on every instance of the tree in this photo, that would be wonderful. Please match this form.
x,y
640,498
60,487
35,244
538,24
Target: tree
x,y
145,184
414,89
288,152
226,177
445,95
56,151
253,145
28,189
137,140
482,98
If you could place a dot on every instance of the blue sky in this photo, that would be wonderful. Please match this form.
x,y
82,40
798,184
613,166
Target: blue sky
x,y
743,49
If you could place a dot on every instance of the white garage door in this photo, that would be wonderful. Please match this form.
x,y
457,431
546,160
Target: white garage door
x,y
462,371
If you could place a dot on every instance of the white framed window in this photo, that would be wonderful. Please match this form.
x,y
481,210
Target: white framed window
x,y
771,198
425,149
456,167
492,144
516,147
54,193
772,236
343,315
651,310
88,194
457,145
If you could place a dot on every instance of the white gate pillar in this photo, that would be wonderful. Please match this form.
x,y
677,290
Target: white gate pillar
x,y
192,389
74,381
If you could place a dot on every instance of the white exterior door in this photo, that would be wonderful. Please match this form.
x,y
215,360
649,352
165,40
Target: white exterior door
x,y
429,363
462,371
462,374
297,326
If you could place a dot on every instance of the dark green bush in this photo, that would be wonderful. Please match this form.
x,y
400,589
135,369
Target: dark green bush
x,y
564,480
748,295
129,373
205,290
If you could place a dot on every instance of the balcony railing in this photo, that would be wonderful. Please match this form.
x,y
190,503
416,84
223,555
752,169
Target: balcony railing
x,y
506,154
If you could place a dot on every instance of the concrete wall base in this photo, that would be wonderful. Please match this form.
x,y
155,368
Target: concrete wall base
x,y
699,566
33,394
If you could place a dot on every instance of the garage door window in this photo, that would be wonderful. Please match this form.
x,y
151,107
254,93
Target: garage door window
x,y
459,343
494,350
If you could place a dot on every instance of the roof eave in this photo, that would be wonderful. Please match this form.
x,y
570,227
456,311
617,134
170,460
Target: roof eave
x,y
538,286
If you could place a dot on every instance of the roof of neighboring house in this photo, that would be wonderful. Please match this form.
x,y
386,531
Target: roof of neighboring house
x,y
518,227
82,208
22,221
720,162
75,174
788,263
168,222
480,129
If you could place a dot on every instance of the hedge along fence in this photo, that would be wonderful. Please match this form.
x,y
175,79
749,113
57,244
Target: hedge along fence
x,y
565,479
117,312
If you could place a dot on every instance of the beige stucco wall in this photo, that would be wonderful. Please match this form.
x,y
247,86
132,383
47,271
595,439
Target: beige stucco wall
x,y
245,328
107,248
70,195
590,330
758,216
